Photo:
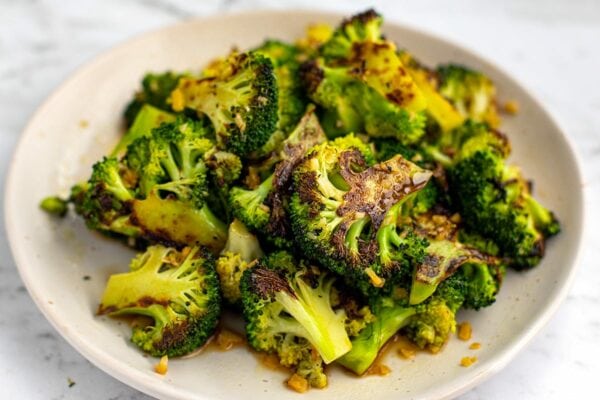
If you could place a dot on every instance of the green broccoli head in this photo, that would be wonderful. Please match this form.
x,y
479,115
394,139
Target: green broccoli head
x,y
248,205
241,101
362,27
479,283
178,290
495,201
433,323
155,90
105,201
371,93
471,92
292,100
170,162
241,252
345,209
287,306
172,186
264,209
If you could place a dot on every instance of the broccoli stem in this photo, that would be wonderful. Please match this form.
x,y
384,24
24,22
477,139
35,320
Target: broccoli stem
x,y
312,309
366,346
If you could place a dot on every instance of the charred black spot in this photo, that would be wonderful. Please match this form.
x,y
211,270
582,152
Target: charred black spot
x,y
268,282
363,18
173,336
312,75
306,187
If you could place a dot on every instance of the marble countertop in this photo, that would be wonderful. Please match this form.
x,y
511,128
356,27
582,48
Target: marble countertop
x,y
551,47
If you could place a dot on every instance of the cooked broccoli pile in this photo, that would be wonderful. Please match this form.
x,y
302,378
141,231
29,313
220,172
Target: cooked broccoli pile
x,y
335,192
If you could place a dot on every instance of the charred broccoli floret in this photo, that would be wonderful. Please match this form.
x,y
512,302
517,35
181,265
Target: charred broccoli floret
x,y
157,192
172,186
288,311
291,98
240,101
358,219
363,27
441,111
495,200
241,252
471,92
105,201
178,290
371,93
263,209
155,90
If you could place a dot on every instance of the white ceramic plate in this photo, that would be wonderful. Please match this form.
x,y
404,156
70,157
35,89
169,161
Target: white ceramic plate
x,y
82,120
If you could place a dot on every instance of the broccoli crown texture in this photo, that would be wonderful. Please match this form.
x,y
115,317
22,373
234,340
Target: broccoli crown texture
x,y
289,305
178,290
241,252
241,101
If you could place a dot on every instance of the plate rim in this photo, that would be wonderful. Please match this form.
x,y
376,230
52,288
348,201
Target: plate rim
x,y
136,378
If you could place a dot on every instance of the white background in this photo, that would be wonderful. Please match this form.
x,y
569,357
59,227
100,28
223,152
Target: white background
x,y
551,47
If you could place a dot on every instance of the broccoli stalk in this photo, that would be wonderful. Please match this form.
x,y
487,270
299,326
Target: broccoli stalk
x,y
178,290
146,119
390,317
241,252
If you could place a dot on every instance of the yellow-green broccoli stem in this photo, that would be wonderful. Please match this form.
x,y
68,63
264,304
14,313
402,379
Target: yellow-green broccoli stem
x,y
241,252
389,319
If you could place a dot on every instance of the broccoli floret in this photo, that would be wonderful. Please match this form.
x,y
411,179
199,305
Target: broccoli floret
x,y
155,90
291,101
340,205
172,186
287,307
240,101
241,252
481,283
179,291
433,323
372,93
225,169
157,192
146,119
362,27
248,204
440,111
471,92
105,201
264,209
390,315
495,201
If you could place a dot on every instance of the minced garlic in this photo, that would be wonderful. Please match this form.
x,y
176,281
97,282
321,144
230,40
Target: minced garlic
x,y
162,366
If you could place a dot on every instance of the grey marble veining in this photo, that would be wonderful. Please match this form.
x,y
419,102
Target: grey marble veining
x,y
549,46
